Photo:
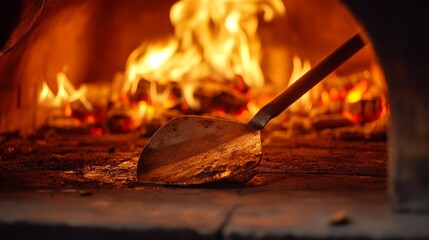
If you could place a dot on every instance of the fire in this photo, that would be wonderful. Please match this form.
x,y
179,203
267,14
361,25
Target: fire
x,y
66,94
359,97
211,65
300,68
213,39
71,101
357,92
68,111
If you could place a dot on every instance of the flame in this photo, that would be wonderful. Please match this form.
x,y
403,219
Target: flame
x,y
213,39
300,68
215,43
66,95
365,102
385,108
46,93
143,110
357,92
68,111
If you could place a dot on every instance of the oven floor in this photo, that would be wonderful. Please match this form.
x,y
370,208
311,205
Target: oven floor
x,y
72,186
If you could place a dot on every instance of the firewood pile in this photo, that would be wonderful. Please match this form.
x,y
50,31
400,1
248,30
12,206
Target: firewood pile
x,y
335,125
325,122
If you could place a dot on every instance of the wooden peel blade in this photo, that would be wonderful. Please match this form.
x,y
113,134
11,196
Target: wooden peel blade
x,y
195,150
192,150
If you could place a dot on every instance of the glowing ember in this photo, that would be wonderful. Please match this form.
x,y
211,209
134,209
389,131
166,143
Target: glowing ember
x,y
357,92
359,98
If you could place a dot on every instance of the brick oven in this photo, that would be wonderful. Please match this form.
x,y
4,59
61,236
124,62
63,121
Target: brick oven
x,y
84,84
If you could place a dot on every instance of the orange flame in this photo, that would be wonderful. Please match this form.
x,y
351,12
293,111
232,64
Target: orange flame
x,y
300,67
214,39
66,95
357,92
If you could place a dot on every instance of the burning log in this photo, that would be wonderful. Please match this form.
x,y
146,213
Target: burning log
x,y
297,125
376,130
364,110
149,128
331,108
142,91
64,123
120,123
346,133
215,97
330,121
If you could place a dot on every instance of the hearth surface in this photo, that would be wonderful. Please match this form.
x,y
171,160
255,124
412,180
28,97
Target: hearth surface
x,y
79,186
61,161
